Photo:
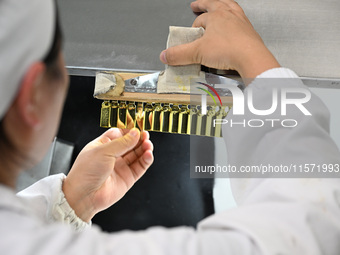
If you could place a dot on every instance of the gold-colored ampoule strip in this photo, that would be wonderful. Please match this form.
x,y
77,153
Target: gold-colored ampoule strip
x,y
156,117
122,114
193,120
139,116
105,114
163,117
199,121
209,121
114,114
184,120
174,118
147,123
131,115
221,114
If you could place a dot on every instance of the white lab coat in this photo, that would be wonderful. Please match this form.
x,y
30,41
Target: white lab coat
x,y
275,216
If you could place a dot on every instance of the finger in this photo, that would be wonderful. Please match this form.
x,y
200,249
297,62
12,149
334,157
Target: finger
x,y
143,145
201,21
125,173
211,5
232,7
184,54
134,154
202,6
144,135
140,166
131,155
130,174
111,134
121,145
196,7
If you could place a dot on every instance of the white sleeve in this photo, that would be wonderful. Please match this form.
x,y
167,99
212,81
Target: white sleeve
x,y
283,215
275,216
46,199
52,238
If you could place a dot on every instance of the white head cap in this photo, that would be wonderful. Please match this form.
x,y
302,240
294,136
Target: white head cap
x,y
26,34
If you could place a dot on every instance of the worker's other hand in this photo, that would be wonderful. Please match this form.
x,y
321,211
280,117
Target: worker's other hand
x,y
229,43
106,169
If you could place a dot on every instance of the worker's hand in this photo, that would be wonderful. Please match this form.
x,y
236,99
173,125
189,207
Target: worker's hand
x,y
229,42
106,169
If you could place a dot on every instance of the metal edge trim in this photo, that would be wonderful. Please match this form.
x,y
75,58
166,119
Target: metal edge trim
x,y
331,83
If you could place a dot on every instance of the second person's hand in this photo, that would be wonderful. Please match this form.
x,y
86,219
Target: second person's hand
x,y
229,43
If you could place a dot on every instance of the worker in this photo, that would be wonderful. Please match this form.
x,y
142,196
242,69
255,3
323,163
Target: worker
x,y
53,216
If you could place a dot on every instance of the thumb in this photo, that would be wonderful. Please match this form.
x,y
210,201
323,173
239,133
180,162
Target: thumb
x,y
184,54
122,145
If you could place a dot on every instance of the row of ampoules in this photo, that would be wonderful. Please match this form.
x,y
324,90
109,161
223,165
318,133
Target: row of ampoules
x,y
163,117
